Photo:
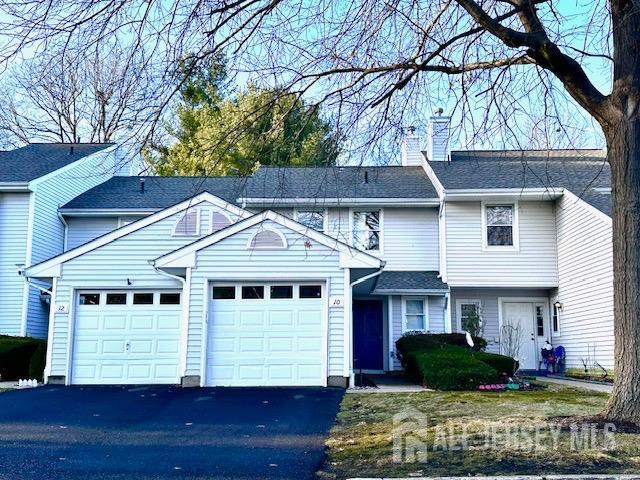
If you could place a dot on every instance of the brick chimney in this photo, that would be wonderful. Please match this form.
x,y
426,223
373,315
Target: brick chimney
x,y
438,141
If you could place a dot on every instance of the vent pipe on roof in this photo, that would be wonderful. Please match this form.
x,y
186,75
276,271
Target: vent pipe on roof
x,y
366,177
71,150
141,184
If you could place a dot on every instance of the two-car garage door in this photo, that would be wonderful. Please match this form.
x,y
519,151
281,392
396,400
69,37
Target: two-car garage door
x,y
266,334
127,337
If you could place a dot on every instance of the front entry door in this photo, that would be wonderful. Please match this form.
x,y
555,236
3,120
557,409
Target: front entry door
x,y
368,350
518,334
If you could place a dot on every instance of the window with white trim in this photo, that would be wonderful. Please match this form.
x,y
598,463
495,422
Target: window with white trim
x,y
500,222
311,219
188,224
219,221
267,239
366,230
469,314
555,321
540,319
415,318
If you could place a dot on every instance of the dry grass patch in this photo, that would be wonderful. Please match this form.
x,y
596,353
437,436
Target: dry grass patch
x,y
469,433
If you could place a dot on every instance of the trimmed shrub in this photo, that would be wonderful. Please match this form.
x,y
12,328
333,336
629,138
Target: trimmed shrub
x,y
453,368
505,366
413,342
21,357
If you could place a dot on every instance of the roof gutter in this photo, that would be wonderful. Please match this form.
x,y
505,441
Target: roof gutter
x,y
14,187
549,193
106,212
28,281
336,201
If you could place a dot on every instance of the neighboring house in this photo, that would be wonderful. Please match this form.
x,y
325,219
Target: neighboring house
x,y
303,276
34,181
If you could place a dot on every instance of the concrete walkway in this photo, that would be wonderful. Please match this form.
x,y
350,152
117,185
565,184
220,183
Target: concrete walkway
x,y
594,387
389,384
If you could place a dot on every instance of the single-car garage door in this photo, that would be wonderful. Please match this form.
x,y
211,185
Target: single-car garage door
x,y
126,337
266,334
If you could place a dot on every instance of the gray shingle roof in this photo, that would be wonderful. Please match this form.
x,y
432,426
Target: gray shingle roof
x,y
395,281
159,192
37,159
340,182
579,171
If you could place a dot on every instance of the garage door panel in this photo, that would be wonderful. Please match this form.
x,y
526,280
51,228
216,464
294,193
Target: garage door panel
x,y
265,342
120,344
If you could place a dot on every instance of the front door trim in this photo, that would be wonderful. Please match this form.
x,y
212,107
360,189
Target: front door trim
x,y
533,301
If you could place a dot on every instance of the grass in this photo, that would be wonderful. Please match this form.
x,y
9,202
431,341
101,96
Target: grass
x,y
361,442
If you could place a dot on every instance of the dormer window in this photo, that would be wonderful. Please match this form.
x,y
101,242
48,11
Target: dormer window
x,y
188,224
219,221
267,239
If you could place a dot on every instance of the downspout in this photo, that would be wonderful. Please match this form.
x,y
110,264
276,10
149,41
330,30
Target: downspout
x,y
168,275
350,315
66,229
29,282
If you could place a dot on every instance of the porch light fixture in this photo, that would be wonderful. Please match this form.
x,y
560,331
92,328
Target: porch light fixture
x,y
558,306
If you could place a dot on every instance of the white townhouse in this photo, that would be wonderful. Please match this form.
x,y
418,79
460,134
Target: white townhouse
x,y
34,181
303,276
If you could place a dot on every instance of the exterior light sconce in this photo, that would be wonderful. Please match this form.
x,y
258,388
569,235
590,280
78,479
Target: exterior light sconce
x,y
558,306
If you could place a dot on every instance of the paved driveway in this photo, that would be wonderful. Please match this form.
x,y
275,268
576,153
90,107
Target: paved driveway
x,y
164,432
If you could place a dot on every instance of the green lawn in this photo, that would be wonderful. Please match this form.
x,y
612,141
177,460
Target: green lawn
x,y
361,442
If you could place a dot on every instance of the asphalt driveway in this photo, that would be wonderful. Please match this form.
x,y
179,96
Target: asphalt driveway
x,y
164,432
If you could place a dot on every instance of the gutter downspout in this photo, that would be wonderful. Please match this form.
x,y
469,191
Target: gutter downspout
x,y
66,230
166,274
350,319
29,282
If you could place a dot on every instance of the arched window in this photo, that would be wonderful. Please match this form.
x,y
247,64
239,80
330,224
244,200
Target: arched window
x,y
188,224
267,239
219,221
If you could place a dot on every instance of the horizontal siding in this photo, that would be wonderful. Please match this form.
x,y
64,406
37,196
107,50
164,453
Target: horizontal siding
x,y
534,265
14,214
488,298
411,238
585,267
48,230
231,259
81,230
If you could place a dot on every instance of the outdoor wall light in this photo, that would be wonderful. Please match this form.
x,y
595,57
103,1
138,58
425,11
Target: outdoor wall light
x,y
558,306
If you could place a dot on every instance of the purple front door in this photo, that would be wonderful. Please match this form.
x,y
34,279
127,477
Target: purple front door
x,y
368,349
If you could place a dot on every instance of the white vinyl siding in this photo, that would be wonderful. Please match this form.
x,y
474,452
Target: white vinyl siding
x,y
411,238
585,264
14,214
81,230
229,259
435,313
112,266
488,299
534,264
48,230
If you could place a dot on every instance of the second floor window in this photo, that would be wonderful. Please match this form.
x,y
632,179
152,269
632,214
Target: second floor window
x,y
500,223
311,219
366,230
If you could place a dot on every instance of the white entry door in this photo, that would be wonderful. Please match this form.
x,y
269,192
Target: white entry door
x,y
126,337
518,335
266,334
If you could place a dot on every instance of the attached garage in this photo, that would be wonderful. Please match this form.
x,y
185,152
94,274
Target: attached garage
x,y
267,334
126,337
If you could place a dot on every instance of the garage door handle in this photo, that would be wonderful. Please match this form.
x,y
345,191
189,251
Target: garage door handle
x,y
128,346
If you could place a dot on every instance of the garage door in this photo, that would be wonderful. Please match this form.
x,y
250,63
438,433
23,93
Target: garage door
x,y
266,334
126,337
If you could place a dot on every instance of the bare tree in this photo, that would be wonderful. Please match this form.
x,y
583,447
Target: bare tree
x,y
376,62
71,95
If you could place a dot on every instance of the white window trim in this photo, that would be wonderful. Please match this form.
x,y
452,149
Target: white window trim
x,y
381,220
546,327
558,314
515,227
224,214
425,306
466,301
186,212
271,229
325,216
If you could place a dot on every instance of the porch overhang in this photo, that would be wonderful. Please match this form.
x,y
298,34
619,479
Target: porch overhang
x,y
410,283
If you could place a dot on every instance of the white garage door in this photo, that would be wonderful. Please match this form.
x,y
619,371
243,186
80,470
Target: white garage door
x,y
126,337
266,334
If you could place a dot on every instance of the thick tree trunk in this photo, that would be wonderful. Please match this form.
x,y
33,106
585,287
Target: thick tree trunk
x,y
622,130
624,156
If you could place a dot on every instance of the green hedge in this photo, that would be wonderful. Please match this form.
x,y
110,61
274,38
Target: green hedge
x,y
506,366
446,362
453,368
22,357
